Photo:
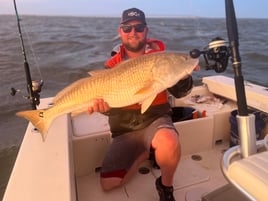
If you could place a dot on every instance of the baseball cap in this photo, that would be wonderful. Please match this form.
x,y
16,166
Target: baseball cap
x,y
133,14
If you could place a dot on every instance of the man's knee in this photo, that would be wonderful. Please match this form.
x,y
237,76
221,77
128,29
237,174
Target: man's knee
x,y
166,138
111,180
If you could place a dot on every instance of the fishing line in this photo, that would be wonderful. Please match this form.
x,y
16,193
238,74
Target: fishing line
x,y
199,32
32,52
202,33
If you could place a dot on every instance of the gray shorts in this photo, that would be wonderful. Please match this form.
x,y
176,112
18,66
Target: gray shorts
x,y
126,148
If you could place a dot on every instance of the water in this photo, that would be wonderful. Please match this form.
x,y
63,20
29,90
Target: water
x,y
61,50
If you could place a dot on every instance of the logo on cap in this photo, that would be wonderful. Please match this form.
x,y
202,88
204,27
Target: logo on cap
x,y
134,13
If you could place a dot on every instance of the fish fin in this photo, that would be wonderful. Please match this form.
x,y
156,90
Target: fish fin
x,y
39,119
146,89
77,112
146,103
97,72
81,108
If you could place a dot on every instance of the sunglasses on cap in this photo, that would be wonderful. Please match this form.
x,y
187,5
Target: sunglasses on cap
x,y
127,28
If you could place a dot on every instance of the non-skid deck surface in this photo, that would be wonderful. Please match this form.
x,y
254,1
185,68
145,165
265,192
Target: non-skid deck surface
x,y
193,179
227,192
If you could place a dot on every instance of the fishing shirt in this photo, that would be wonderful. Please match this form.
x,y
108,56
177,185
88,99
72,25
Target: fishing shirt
x,y
129,118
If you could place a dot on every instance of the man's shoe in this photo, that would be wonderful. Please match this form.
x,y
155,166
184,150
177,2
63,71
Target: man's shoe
x,y
165,192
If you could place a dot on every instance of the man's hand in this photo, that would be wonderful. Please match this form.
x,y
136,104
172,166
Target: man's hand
x,y
197,68
98,106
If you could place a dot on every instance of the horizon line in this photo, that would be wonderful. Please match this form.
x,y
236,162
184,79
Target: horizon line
x,y
114,16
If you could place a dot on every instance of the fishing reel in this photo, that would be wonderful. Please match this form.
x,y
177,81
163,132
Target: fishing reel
x,y
36,89
216,51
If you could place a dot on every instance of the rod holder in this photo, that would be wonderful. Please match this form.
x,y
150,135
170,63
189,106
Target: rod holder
x,y
247,134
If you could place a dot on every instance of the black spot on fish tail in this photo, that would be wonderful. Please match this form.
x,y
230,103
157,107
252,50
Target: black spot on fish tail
x,y
41,114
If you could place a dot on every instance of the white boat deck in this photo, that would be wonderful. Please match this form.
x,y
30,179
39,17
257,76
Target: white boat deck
x,y
193,179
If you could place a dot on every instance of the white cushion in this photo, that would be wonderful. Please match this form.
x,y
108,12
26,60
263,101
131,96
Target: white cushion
x,y
251,174
85,124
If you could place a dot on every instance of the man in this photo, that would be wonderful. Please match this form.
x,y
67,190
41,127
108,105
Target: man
x,y
134,134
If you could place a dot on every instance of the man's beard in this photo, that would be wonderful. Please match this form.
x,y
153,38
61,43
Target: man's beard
x,y
137,48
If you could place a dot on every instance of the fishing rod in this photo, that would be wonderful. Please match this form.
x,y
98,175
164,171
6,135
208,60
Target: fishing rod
x,y
33,87
245,121
219,53
236,60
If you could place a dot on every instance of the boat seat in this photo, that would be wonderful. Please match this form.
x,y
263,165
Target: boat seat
x,y
250,175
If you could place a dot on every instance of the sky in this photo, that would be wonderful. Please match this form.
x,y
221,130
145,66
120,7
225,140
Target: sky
x,y
183,8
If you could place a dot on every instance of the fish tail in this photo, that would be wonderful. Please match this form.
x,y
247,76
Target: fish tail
x,y
39,119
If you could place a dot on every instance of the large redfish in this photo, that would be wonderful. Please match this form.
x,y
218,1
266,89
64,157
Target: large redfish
x,y
136,80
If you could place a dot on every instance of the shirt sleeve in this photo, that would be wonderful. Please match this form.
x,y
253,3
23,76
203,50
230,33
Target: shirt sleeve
x,y
182,88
